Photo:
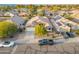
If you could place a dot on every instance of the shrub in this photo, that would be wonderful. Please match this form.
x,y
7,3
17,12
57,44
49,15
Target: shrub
x,y
7,29
76,31
67,16
40,30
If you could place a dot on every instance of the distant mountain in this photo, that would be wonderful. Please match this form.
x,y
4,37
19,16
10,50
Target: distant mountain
x,y
7,4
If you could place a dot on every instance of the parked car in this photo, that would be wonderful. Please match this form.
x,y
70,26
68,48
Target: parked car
x,y
43,42
46,42
7,44
50,42
11,36
65,35
70,34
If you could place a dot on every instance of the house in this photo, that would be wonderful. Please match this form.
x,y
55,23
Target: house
x,y
23,10
39,19
58,25
1,13
75,11
61,26
66,22
14,11
50,13
20,22
57,17
9,14
54,14
75,18
23,14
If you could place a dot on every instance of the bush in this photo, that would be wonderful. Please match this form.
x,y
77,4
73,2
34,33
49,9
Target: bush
x,y
67,16
76,31
7,29
40,30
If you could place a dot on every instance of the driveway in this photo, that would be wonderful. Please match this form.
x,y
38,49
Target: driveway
x,y
24,37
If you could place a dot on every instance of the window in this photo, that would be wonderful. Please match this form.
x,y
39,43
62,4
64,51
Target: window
x,y
51,14
6,43
20,24
49,28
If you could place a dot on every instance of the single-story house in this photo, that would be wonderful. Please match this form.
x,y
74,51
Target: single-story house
x,y
20,22
50,13
22,10
1,13
66,22
47,13
75,11
22,14
59,24
9,14
39,19
75,18
14,11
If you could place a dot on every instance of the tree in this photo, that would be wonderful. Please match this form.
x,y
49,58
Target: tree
x,y
7,29
40,12
67,16
40,30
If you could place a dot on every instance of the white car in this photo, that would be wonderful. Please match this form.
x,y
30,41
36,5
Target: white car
x,y
7,44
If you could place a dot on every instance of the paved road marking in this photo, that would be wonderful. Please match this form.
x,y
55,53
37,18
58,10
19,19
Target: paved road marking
x,y
14,49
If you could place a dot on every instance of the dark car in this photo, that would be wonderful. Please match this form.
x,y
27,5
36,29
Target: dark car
x,y
46,42
11,36
50,42
70,34
43,42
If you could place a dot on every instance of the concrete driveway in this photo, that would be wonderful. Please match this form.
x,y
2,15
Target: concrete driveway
x,y
26,36
23,38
